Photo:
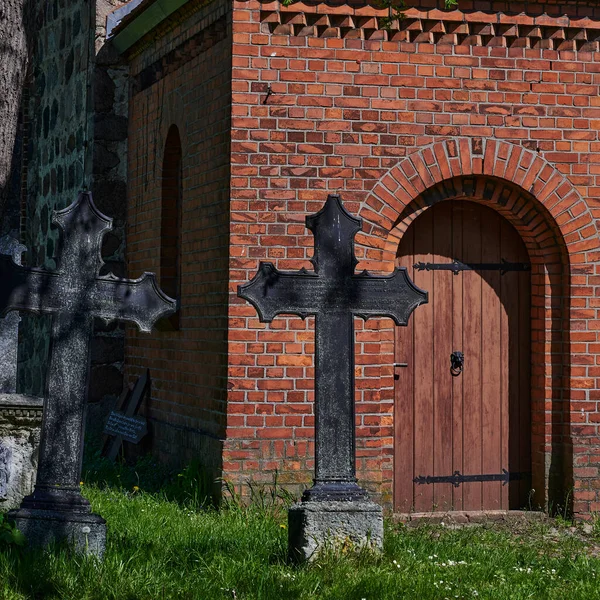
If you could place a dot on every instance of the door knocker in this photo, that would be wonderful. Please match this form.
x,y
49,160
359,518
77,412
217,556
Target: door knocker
x,y
457,362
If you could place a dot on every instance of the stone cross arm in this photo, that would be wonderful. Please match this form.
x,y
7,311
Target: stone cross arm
x,y
76,288
274,292
140,300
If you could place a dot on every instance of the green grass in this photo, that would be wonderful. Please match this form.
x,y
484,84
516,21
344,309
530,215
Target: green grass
x,y
171,547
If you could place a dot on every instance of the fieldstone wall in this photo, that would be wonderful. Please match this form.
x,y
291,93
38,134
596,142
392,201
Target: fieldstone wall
x,y
56,153
77,139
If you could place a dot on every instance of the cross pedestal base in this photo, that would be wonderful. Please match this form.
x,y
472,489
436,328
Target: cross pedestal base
x,y
85,532
313,526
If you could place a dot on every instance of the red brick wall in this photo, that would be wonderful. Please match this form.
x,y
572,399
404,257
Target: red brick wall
x,y
184,79
381,117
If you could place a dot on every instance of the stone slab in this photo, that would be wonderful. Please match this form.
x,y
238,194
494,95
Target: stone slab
x,y
20,425
452,518
313,526
83,532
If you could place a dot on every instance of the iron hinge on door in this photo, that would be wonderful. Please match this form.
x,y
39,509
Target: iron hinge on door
x,y
456,266
399,364
457,478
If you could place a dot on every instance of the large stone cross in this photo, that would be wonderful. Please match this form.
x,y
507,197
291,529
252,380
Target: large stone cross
x,y
335,294
74,295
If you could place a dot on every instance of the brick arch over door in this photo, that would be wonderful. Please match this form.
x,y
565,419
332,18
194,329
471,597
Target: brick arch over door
x,y
561,237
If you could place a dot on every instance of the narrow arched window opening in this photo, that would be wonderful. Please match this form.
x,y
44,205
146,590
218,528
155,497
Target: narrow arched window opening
x,y
170,226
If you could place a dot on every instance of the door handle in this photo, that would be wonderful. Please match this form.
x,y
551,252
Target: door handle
x,y
457,363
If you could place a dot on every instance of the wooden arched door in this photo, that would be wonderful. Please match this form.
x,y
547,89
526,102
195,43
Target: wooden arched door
x,y
462,439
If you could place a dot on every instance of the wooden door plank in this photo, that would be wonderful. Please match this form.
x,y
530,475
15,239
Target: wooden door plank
x,y
524,370
423,344
403,386
509,375
471,282
491,357
441,300
457,343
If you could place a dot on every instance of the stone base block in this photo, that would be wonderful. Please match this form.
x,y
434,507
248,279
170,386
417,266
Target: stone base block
x,y
315,525
84,532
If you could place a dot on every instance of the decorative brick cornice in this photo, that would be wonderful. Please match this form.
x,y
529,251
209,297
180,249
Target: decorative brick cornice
x,y
20,411
11,413
433,26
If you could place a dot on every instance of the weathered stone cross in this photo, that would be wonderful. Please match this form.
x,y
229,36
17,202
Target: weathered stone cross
x,y
74,294
335,294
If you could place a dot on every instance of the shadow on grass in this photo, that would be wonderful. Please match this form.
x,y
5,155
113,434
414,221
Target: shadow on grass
x,y
162,522
149,540
188,487
33,572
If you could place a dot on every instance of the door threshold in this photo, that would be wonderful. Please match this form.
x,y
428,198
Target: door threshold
x,y
465,517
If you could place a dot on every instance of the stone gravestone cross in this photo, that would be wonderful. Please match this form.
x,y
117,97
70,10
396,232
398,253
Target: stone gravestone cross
x,y
335,294
74,294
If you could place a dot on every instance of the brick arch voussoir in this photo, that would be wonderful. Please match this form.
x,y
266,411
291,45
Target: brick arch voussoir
x,y
414,179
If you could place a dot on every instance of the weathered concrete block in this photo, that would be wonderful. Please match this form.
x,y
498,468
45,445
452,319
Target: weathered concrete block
x,y
314,525
84,532
20,423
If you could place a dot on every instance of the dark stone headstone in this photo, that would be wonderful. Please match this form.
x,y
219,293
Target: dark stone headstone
x,y
336,505
74,295
9,326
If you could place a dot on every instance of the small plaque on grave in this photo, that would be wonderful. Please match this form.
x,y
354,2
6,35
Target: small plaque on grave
x,y
131,429
124,424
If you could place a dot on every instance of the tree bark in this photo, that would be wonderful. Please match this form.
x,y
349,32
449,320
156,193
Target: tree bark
x,y
13,69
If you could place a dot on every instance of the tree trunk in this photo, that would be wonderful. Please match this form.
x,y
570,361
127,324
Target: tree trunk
x,y
13,68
